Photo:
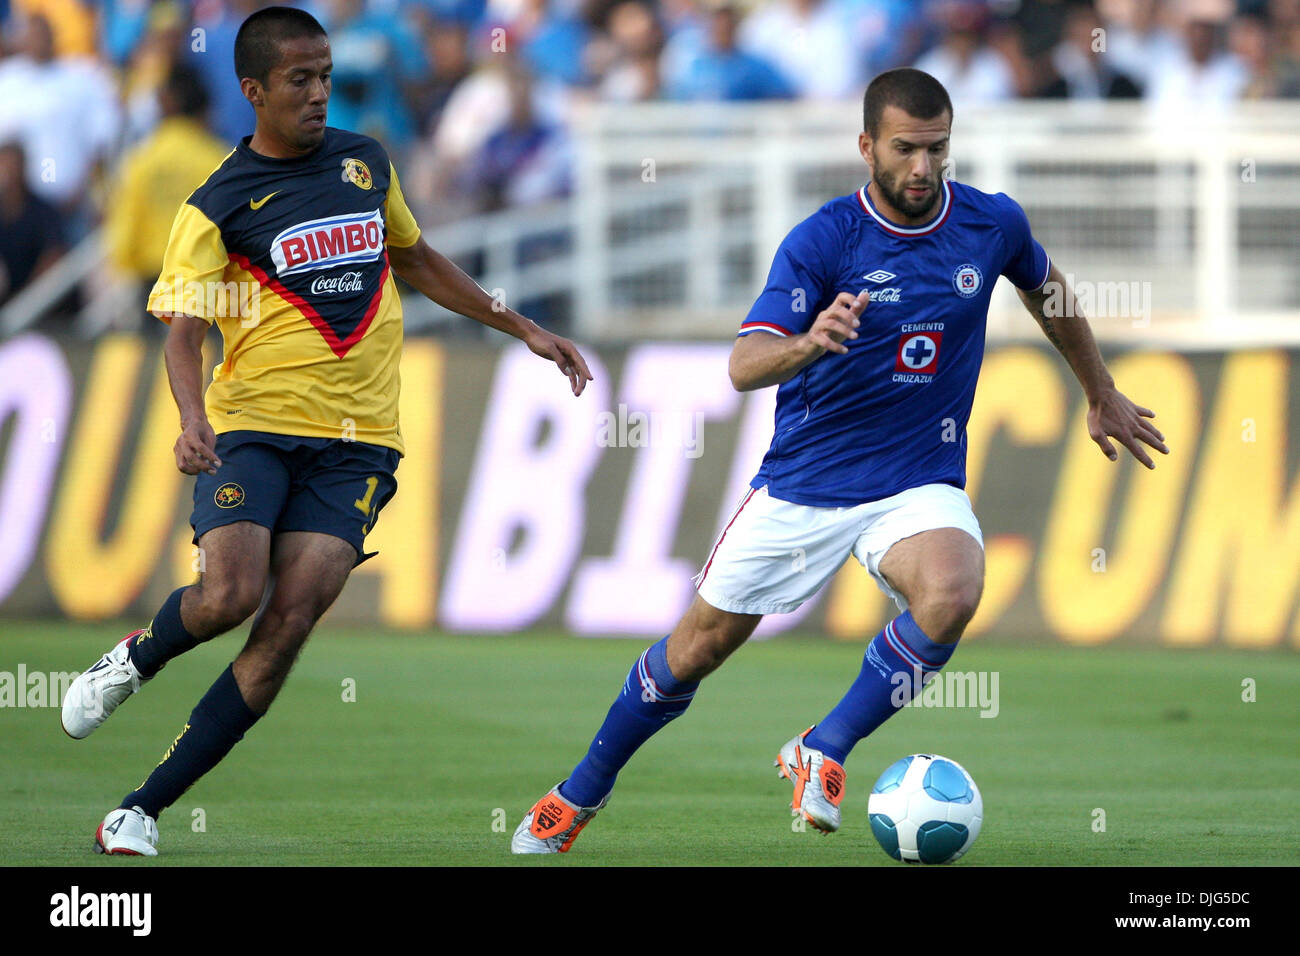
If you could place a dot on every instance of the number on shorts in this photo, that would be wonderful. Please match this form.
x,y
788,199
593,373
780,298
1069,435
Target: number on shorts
x,y
363,504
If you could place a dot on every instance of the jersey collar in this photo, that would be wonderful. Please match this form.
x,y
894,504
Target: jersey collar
x,y
247,152
896,230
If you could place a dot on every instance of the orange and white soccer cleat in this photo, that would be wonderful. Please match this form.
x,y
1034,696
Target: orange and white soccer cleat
x,y
552,824
818,783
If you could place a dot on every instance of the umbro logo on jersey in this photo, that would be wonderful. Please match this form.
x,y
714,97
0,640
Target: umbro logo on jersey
x,y
259,203
880,275
326,243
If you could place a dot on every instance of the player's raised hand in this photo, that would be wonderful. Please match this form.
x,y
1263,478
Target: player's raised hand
x,y
563,353
196,449
1114,416
838,321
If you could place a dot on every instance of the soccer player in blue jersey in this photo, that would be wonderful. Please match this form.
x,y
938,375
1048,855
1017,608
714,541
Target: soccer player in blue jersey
x,y
872,325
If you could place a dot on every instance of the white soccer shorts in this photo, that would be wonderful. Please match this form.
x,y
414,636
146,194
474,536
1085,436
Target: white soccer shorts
x,y
773,555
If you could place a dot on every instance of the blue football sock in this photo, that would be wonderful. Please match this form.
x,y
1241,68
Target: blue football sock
x,y
893,672
164,639
218,723
650,698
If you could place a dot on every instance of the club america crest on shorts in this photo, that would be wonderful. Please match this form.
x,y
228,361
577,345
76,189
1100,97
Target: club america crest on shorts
x,y
229,495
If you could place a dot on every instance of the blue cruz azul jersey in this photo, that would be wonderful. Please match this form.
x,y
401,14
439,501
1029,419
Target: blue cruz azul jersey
x,y
891,414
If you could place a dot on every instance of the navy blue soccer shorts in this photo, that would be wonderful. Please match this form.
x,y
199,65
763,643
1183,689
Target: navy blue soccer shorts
x,y
286,483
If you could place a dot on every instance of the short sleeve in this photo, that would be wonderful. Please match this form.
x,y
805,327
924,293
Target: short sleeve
x,y
799,281
403,231
195,259
1027,262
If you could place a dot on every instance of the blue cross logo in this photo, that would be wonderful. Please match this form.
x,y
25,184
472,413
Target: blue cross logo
x,y
919,352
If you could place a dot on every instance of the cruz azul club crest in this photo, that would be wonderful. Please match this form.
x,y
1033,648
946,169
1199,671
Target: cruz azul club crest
x,y
967,280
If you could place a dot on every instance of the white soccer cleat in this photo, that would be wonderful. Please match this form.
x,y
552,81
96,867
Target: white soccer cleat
x,y
127,833
552,824
818,783
98,691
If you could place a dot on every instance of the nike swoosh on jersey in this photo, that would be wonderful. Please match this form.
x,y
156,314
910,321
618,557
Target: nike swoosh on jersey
x,y
259,203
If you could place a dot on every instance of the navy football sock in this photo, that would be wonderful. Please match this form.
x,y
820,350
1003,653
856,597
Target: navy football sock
x,y
218,723
893,672
164,639
650,698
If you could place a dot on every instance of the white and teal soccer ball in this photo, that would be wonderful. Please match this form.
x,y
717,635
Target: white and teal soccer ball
x,y
926,809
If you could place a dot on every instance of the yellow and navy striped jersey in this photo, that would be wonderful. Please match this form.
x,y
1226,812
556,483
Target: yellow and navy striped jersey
x,y
289,258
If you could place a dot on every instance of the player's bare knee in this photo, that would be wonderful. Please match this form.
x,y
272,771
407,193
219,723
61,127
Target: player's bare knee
x,y
944,612
227,602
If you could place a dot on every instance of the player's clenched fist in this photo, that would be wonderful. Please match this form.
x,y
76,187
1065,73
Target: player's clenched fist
x,y
196,449
838,321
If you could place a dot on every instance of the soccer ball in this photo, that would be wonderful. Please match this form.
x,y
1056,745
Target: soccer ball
x,y
925,809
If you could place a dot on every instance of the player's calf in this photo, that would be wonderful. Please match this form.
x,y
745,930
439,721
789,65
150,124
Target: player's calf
x,y
704,638
190,616
894,669
651,697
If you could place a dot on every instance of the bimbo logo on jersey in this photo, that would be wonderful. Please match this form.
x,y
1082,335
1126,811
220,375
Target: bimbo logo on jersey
x,y
325,243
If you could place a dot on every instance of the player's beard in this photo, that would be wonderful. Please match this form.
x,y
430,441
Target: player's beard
x,y
897,197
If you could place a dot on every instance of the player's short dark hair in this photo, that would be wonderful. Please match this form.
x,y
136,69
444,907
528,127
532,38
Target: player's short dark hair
x,y
914,92
187,91
257,44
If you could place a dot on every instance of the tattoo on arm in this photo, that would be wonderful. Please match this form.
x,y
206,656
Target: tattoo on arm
x,y
1050,330
1036,302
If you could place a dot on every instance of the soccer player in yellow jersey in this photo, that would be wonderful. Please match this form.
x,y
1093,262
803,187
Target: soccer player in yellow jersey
x,y
289,247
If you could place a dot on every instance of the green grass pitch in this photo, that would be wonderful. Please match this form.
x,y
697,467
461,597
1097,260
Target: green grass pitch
x,y
451,738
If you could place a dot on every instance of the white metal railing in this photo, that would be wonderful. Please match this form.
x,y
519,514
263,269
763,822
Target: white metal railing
x,y
1201,212
41,295
678,209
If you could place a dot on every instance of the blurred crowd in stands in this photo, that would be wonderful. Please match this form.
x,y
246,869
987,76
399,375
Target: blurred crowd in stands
x,y
112,111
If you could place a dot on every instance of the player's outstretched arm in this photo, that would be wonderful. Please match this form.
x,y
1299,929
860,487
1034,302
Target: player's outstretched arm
x,y
445,283
195,449
1110,413
759,360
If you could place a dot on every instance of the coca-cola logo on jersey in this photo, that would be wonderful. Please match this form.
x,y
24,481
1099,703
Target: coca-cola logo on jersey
x,y
328,285
892,294
327,243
